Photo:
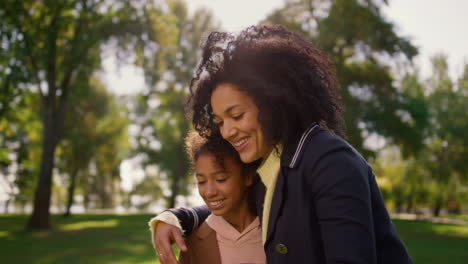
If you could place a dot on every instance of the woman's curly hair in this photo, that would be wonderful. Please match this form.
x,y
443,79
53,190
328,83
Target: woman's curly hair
x,y
288,78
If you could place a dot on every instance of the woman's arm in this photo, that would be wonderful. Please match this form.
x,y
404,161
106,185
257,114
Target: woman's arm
x,y
190,218
342,199
165,234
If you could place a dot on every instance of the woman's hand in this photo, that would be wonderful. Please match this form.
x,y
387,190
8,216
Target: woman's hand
x,y
164,235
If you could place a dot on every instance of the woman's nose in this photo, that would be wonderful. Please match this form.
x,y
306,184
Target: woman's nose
x,y
227,130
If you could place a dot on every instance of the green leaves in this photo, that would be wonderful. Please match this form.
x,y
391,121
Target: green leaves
x,y
160,110
435,175
363,46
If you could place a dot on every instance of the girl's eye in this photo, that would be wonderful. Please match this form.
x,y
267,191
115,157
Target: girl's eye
x,y
221,180
200,182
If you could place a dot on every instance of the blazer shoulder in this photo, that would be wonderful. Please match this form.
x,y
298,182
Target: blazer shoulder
x,y
325,143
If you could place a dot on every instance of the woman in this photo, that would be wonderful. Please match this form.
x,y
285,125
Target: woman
x,y
273,96
231,234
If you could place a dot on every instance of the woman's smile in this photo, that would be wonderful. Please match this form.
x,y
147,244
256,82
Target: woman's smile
x,y
237,117
241,144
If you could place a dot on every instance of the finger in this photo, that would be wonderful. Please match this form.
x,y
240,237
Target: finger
x,y
165,254
178,239
159,249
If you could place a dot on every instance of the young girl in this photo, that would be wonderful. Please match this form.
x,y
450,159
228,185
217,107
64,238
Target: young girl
x,y
231,234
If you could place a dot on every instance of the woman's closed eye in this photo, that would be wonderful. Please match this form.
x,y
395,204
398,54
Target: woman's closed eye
x,y
218,122
237,116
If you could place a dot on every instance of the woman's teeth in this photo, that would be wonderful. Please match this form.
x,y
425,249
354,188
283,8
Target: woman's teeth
x,y
238,143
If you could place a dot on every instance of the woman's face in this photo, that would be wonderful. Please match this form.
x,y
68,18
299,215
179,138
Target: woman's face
x,y
237,117
223,190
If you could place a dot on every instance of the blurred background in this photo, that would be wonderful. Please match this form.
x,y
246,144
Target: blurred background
x,y
92,97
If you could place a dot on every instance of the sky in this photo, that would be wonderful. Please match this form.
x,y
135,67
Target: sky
x,y
433,26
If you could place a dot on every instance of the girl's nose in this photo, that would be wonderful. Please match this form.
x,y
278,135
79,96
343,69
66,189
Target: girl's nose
x,y
211,190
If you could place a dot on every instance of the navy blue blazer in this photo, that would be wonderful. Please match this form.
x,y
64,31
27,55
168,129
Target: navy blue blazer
x,y
326,207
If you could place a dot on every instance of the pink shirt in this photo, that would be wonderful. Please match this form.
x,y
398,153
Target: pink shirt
x,y
235,247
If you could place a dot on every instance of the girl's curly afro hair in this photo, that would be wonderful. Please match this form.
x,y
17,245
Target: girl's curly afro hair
x,y
220,149
288,78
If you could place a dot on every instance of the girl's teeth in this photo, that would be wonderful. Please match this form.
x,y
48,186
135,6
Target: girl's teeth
x,y
217,202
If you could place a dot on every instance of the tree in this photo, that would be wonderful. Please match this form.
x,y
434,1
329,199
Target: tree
x,y
95,132
112,148
435,176
364,46
160,109
46,43
447,142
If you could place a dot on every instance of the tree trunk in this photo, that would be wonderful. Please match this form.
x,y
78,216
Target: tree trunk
x,y
409,205
7,205
86,187
71,192
179,173
175,186
437,206
40,218
174,191
102,187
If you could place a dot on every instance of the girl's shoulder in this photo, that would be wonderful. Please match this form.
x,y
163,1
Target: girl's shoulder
x,y
204,231
202,247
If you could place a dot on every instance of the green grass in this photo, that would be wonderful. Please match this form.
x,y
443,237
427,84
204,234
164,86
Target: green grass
x,y
79,239
459,217
125,239
430,243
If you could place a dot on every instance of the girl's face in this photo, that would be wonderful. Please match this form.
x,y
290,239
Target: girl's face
x,y
237,117
223,190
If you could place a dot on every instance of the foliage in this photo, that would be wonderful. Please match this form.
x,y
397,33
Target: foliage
x,y
50,59
160,116
20,132
46,44
436,176
95,142
447,144
364,47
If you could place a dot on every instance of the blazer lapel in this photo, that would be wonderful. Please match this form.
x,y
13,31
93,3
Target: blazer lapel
x,y
259,190
276,205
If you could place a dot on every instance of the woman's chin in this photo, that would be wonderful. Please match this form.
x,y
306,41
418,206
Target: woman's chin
x,y
248,157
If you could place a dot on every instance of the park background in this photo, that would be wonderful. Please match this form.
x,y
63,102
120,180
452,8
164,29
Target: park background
x,y
92,115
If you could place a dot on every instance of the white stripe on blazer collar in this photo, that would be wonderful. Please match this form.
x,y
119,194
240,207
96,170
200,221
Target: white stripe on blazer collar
x,y
301,144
